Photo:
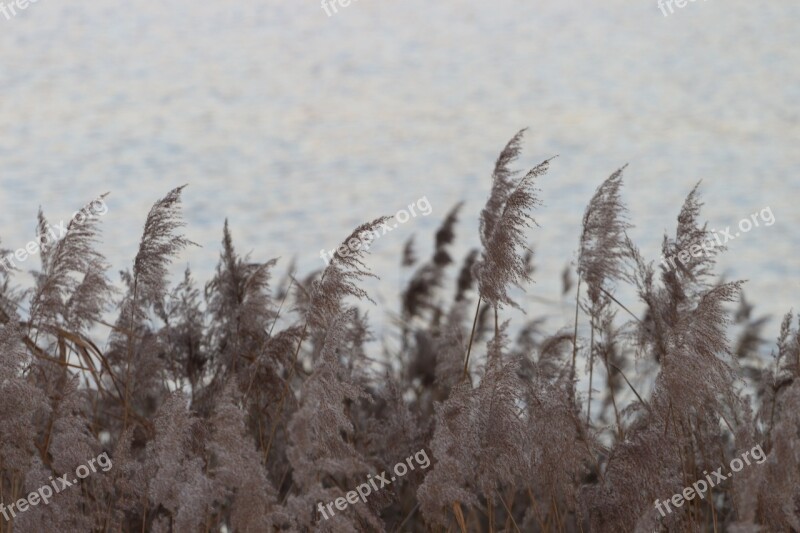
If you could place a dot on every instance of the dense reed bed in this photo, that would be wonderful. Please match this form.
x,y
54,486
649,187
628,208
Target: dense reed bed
x,y
244,403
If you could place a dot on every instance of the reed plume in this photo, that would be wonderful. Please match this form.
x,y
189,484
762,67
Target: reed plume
x,y
239,404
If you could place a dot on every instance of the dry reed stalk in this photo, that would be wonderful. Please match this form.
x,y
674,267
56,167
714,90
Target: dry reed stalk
x,y
575,332
535,508
471,336
510,514
591,371
459,517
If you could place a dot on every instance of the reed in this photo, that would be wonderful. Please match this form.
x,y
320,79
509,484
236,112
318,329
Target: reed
x,y
237,406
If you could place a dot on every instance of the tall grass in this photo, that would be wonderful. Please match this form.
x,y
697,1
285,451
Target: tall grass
x,y
241,404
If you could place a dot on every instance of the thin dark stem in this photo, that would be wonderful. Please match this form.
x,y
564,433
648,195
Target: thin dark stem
x,y
620,304
575,334
510,514
471,336
288,289
406,519
129,354
253,378
615,367
285,391
613,399
591,370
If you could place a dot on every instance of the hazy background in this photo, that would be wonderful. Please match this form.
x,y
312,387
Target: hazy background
x,y
298,126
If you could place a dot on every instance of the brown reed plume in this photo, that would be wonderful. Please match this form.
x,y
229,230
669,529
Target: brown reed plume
x,y
502,223
243,405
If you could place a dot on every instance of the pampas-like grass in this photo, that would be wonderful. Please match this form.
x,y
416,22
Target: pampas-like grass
x,y
245,407
602,243
424,282
502,232
72,287
600,262
502,224
239,303
338,280
481,427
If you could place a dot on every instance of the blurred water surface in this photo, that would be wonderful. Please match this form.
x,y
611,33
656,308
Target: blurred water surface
x,y
298,126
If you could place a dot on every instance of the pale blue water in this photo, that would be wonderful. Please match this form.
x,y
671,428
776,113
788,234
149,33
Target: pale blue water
x,y
298,126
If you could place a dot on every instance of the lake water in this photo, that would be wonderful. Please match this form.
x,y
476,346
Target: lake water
x,y
297,126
